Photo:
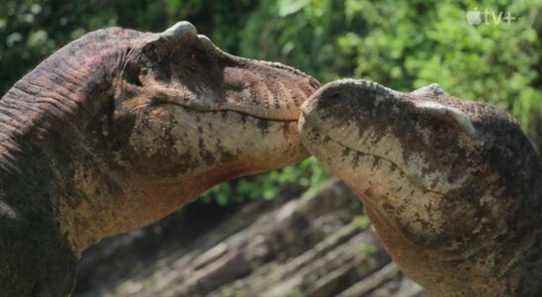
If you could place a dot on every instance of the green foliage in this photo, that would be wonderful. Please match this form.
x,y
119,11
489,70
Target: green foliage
x,y
401,43
267,186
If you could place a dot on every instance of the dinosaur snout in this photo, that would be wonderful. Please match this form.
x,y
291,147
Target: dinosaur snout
x,y
267,90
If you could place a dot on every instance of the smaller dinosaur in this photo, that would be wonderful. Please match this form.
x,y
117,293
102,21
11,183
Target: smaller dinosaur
x,y
453,188
119,129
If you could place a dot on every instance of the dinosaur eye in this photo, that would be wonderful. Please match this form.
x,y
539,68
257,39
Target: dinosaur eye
x,y
334,95
200,57
151,52
449,114
154,101
155,51
132,76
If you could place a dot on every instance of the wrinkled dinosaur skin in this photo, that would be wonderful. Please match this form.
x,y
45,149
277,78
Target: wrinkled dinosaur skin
x,y
120,128
452,187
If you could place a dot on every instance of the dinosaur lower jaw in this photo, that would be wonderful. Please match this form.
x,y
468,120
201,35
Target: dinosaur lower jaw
x,y
380,181
378,159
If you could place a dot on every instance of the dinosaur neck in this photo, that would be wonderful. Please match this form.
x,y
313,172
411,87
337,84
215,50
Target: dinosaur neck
x,y
43,123
63,93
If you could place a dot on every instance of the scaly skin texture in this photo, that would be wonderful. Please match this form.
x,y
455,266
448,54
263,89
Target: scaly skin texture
x,y
453,187
120,128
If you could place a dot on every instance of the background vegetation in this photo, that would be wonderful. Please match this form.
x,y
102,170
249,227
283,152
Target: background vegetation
x,y
401,43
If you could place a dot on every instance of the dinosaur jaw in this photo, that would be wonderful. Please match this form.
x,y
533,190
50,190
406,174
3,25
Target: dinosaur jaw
x,y
397,198
175,141
167,156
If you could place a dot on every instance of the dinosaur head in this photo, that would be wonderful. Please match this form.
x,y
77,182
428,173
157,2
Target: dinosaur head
x,y
439,177
186,108
185,116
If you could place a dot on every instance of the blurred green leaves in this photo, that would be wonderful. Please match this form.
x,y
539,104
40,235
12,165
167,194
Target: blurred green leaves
x,y
287,7
298,178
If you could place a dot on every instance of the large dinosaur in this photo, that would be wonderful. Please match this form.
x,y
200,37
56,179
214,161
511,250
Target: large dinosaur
x,y
454,188
118,129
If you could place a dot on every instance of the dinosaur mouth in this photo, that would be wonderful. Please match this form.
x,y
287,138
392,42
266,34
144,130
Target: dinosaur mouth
x,y
228,110
158,102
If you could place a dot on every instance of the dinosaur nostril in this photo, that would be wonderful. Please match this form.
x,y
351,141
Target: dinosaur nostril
x,y
131,72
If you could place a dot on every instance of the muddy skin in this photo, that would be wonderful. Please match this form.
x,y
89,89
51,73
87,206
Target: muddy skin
x,y
453,187
120,128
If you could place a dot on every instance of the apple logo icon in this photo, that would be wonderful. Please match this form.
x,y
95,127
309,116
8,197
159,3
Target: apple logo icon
x,y
474,17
